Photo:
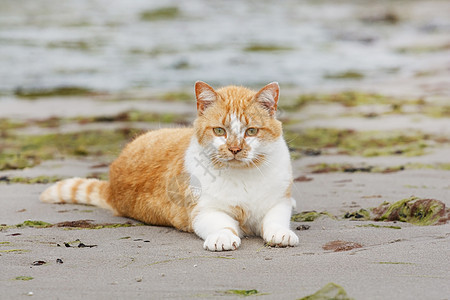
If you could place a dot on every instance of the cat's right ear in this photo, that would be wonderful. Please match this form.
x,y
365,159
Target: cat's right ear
x,y
205,95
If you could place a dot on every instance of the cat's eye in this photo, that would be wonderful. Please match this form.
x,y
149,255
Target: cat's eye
x,y
251,131
219,131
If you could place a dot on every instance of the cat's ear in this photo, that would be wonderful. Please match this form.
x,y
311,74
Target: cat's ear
x,y
205,95
268,97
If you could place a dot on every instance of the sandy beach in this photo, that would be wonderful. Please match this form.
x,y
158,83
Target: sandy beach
x,y
365,108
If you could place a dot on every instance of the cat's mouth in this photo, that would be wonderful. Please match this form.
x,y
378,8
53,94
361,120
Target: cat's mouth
x,y
239,163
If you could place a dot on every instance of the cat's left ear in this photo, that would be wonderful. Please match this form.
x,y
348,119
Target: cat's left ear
x,y
205,95
268,97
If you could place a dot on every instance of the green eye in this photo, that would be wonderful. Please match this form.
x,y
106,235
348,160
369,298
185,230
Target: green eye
x,y
219,131
251,132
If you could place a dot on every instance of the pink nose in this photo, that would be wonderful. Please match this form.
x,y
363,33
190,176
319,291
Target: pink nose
x,y
235,150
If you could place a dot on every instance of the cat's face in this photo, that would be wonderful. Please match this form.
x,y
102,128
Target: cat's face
x,y
236,126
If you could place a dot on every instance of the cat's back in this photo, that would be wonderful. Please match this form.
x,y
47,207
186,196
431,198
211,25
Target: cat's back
x,y
140,176
153,151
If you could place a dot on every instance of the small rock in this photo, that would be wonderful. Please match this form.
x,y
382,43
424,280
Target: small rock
x,y
303,227
59,261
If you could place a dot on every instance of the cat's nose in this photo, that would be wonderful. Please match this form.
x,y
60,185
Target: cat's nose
x,y
235,150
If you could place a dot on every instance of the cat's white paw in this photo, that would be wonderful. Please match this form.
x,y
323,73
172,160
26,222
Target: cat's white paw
x,y
280,236
222,240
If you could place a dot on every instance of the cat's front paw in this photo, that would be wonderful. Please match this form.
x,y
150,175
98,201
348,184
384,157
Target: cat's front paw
x,y
280,236
222,240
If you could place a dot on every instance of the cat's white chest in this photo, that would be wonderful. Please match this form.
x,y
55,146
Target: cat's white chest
x,y
255,190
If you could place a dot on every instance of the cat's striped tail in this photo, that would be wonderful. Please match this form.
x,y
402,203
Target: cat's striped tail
x,y
78,190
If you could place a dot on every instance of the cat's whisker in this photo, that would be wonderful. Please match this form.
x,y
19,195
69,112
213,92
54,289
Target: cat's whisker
x,y
262,174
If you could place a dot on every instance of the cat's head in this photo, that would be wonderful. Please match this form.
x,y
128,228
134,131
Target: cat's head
x,y
236,126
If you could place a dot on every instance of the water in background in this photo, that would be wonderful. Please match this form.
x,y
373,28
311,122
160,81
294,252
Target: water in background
x,y
121,45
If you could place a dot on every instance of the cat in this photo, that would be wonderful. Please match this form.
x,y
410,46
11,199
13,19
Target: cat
x,y
227,177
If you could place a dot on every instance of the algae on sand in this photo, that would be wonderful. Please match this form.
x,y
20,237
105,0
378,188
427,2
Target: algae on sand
x,y
329,291
365,143
309,216
63,91
413,210
24,278
266,48
31,180
347,98
34,149
34,224
162,13
243,293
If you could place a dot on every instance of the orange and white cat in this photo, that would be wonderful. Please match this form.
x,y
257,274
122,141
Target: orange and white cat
x,y
227,177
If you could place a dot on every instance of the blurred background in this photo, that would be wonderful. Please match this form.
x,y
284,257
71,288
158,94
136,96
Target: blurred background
x,y
112,46
80,78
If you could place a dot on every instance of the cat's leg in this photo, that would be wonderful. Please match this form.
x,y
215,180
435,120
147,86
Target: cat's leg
x,y
275,225
219,230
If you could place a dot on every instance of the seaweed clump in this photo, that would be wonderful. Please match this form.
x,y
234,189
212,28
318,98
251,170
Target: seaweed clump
x,y
413,210
329,291
162,13
242,293
310,216
62,91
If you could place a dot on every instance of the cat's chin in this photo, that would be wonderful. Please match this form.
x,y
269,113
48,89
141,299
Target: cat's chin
x,y
234,163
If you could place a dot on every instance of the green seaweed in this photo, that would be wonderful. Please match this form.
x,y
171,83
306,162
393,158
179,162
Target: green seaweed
x,y
137,116
345,75
154,52
364,143
63,91
266,48
24,278
349,168
163,13
177,96
347,98
329,291
34,224
414,210
5,243
24,151
15,251
387,17
7,124
32,180
419,49
243,293
116,225
88,224
437,111
379,226
74,45
309,216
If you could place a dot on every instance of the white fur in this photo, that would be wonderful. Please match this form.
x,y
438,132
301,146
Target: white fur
x,y
237,127
267,96
207,95
260,191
